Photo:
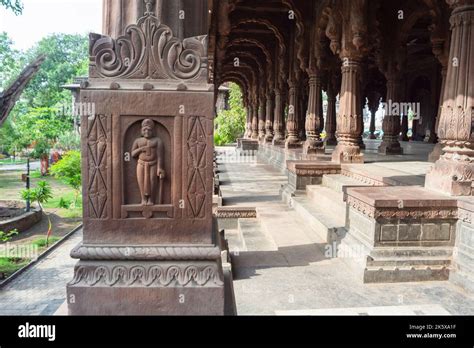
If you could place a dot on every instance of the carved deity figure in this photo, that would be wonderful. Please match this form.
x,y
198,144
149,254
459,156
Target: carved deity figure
x,y
150,170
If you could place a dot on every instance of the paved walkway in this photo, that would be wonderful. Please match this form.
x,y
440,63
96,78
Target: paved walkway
x,y
41,290
13,167
295,276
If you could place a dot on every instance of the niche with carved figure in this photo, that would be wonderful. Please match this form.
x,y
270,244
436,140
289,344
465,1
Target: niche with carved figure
x,y
147,167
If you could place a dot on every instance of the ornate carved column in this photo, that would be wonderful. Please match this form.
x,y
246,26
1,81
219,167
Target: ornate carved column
x,y
262,116
374,102
269,119
453,172
438,149
331,117
248,125
391,121
279,136
150,243
313,143
362,125
254,108
348,119
292,121
321,112
118,14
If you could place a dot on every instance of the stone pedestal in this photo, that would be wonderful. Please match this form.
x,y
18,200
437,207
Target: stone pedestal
x,y
462,273
399,234
303,173
150,244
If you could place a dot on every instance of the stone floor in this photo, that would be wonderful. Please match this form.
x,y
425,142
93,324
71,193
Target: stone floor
x,y
41,290
282,267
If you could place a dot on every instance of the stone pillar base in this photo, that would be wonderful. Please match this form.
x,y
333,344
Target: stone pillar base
x,y
330,142
313,147
399,234
447,176
436,153
180,287
303,173
268,139
390,149
278,141
291,143
248,145
347,154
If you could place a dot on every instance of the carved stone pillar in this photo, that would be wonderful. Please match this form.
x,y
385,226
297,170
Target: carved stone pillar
x,y
438,149
262,117
391,121
321,112
374,102
313,143
331,117
150,244
118,14
255,119
453,172
248,125
293,112
348,122
362,125
279,136
269,119
302,107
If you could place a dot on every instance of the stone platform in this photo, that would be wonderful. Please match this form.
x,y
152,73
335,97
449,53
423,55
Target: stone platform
x,y
285,260
399,233
378,213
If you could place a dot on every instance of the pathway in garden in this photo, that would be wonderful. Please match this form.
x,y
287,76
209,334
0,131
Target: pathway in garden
x,y
41,290
12,167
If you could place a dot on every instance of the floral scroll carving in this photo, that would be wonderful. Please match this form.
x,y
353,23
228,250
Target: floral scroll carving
x,y
148,50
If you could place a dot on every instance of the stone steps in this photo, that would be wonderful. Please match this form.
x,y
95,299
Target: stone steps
x,y
339,182
234,240
327,227
254,236
328,200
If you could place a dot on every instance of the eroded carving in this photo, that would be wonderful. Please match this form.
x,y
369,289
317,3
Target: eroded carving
x,y
149,152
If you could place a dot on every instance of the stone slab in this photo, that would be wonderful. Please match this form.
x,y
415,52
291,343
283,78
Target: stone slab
x,y
401,197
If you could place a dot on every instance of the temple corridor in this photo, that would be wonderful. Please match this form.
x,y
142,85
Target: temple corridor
x,y
280,263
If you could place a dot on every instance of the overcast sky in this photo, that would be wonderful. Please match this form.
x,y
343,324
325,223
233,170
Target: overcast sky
x,y
43,17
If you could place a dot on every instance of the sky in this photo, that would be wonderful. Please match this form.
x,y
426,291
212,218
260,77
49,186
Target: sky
x,y
43,17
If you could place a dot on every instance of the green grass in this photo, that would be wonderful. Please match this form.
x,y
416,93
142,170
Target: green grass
x,y
41,242
11,186
9,265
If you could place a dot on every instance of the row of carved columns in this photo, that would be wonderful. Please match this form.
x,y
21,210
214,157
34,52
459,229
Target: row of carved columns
x,y
340,47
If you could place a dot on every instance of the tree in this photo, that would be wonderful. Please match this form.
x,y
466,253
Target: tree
x,y
67,57
41,195
38,119
68,170
10,61
14,5
231,123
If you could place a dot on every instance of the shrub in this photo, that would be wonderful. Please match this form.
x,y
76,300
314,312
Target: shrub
x,y
7,236
68,170
64,203
230,124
